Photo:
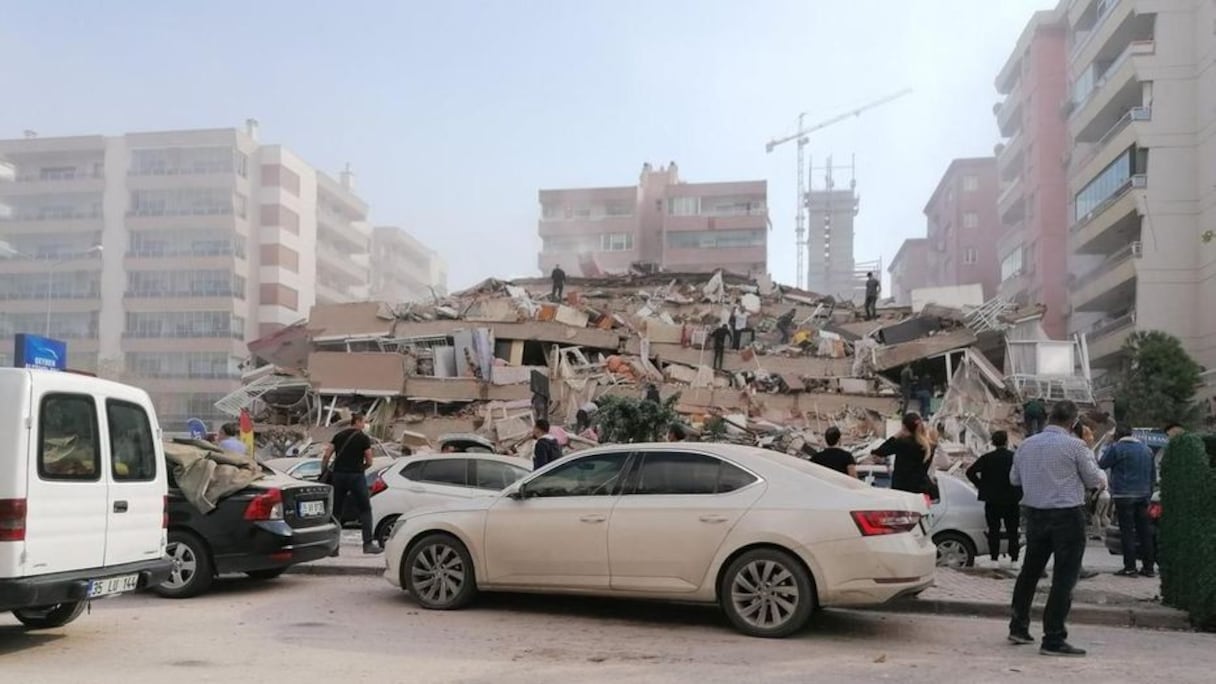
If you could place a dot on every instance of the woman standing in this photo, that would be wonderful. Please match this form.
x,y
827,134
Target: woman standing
x,y
913,450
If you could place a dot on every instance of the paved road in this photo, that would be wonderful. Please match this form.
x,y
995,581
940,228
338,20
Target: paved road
x,y
304,629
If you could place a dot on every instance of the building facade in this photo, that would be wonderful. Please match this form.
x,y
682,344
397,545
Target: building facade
x,y
1032,244
404,269
158,255
663,221
962,226
909,270
830,263
1142,120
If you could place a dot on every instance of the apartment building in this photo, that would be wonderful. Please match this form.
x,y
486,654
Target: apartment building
x,y
662,220
404,269
909,270
1032,242
1142,182
831,268
157,255
962,226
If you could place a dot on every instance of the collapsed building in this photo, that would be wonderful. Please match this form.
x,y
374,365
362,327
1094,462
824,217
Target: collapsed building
x,y
492,358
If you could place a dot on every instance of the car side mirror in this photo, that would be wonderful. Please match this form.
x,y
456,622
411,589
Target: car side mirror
x,y
518,494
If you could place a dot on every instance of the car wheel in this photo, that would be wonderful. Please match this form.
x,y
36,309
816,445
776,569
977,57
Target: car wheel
x,y
49,617
438,573
767,593
385,529
192,568
265,574
954,550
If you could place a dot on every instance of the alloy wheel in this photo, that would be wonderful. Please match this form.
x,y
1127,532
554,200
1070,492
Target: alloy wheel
x,y
185,565
951,553
438,573
765,594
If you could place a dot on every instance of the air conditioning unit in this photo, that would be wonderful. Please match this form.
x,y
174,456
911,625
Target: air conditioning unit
x,y
1137,249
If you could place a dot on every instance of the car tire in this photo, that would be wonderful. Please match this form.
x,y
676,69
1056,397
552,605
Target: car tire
x,y
438,573
954,550
270,574
193,571
49,617
384,529
767,593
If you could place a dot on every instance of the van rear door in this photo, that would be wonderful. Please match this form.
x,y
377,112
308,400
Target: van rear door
x,y
14,463
136,500
66,492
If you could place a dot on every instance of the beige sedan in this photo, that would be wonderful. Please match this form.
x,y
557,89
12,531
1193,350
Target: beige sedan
x,y
768,537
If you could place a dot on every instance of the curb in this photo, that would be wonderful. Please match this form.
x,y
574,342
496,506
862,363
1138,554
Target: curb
x,y
1143,618
331,570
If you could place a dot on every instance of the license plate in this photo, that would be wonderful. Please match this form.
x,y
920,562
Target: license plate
x,y
112,585
312,509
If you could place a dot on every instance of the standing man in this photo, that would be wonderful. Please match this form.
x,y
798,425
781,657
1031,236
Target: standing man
x,y
559,283
231,441
1053,468
1132,475
785,325
652,394
1034,414
907,379
351,451
547,450
719,336
924,393
990,475
834,457
873,287
740,319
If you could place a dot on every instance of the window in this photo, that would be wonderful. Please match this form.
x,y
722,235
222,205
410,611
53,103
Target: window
x,y
495,475
616,242
307,470
686,473
448,471
970,183
1108,183
971,220
1011,265
132,451
970,256
597,475
714,239
68,439
684,206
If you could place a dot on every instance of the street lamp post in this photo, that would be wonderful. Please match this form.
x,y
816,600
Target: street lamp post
x,y
8,251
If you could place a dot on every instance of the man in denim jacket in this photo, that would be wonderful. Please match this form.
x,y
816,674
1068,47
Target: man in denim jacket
x,y
1132,477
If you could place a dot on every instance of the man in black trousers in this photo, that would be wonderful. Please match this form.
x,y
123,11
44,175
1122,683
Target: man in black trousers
x,y
990,474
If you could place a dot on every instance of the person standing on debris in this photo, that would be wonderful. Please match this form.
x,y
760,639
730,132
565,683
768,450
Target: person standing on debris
x,y
547,450
740,326
785,325
1053,468
913,452
924,394
232,441
719,336
351,453
559,283
873,287
834,457
990,475
652,394
907,379
1034,415
1132,476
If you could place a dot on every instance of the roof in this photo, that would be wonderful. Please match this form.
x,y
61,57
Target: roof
x,y
956,167
908,245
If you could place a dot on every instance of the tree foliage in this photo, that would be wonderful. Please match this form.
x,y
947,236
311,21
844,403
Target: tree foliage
x,y
1158,385
633,419
1187,545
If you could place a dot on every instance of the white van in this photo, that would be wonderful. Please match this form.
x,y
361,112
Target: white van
x,y
82,494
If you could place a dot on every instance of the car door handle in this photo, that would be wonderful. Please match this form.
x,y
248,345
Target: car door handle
x,y
120,506
595,518
713,518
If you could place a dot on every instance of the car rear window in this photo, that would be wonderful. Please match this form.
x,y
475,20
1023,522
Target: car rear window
x,y
132,449
68,441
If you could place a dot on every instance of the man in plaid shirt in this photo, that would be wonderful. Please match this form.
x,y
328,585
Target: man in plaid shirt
x,y
1054,469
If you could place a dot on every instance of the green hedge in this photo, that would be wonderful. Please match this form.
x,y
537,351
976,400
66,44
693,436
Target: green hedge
x,y
1188,530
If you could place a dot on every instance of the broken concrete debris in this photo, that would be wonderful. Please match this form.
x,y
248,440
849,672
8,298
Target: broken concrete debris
x,y
467,363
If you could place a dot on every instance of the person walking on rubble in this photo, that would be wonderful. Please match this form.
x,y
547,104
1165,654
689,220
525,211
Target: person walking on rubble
x,y
739,326
990,475
351,454
718,336
785,325
1053,468
559,283
873,287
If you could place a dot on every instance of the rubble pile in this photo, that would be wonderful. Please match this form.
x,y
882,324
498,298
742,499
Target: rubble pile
x,y
486,359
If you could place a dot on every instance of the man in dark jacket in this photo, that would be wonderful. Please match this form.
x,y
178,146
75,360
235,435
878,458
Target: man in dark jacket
x,y
785,325
1132,476
873,286
547,450
990,474
719,336
1034,414
906,380
559,283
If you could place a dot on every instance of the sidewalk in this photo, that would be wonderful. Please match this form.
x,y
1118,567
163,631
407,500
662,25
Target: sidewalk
x,y
350,561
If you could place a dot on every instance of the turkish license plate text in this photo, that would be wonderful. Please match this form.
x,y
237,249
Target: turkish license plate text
x,y
113,585
312,509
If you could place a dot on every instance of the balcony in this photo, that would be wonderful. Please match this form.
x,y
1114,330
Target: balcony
x,y
1122,135
1116,221
1113,26
1010,160
1105,339
1011,203
1111,285
1009,112
1012,237
1114,93
62,182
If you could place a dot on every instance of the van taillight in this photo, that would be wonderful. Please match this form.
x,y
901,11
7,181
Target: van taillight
x,y
164,513
266,506
12,520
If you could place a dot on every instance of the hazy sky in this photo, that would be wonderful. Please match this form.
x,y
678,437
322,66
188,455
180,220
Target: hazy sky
x,y
453,113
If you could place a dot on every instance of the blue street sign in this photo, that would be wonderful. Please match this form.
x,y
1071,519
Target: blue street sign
x,y
197,428
35,351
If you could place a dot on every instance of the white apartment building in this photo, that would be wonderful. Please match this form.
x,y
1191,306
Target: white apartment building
x,y
1142,172
158,255
404,269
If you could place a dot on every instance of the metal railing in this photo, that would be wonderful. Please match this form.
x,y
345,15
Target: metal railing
x,y
1133,114
1136,47
1113,261
1107,326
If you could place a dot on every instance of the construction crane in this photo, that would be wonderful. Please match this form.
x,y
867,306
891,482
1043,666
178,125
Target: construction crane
x,y
801,137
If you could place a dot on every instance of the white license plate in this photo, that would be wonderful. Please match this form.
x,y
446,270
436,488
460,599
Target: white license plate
x,y
112,585
312,509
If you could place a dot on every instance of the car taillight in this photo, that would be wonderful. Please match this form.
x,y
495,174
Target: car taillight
x,y
874,523
378,486
12,520
266,506
1154,510
164,513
